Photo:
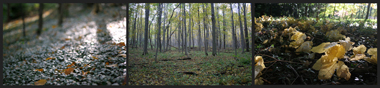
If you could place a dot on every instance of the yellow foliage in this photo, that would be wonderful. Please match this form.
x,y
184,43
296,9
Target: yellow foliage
x,y
305,47
328,62
259,81
289,30
40,82
358,52
334,35
299,39
373,52
259,66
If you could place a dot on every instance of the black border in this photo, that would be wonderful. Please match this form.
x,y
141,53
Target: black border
x,y
192,1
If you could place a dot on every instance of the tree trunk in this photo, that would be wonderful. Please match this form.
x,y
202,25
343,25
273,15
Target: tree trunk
x,y
233,31
241,30
146,29
23,20
163,27
184,25
60,20
159,29
199,31
40,18
8,12
246,29
205,29
224,30
366,17
213,30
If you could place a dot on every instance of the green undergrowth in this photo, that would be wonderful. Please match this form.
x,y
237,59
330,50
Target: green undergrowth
x,y
221,69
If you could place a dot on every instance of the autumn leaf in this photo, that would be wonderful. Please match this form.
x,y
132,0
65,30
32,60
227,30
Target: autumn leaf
x,y
67,39
259,66
305,47
39,70
63,47
84,73
69,70
343,71
95,57
373,52
107,63
99,30
49,58
121,44
40,82
259,81
72,64
54,26
123,55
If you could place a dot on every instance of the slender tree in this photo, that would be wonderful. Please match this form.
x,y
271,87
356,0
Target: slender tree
x,y
224,30
246,29
205,29
60,20
233,30
134,29
163,27
241,30
159,29
213,30
40,18
199,30
184,27
366,17
23,19
146,29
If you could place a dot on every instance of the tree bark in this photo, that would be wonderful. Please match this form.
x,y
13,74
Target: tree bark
x,y
199,31
369,5
241,30
246,29
184,25
146,29
40,18
23,19
213,30
233,31
224,30
60,20
159,29
205,29
163,27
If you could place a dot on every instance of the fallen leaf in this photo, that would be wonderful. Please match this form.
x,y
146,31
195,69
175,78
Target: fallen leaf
x,y
84,73
123,55
49,58
112,65
107,63
320,48
63,47
39,70
40,82
121,44
72,64
94,57
343,71
99,30
69,70
67,39
54,26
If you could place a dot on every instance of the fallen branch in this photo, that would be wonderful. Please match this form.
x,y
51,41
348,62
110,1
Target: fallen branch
x,y
187,58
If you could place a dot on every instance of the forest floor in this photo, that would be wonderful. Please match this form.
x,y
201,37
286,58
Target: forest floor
x,y
88,49
284,66
174,68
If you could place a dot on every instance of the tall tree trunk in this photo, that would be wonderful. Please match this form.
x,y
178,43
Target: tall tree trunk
x,y
233,30
205,29
246,29
213,30
23,20
40,18
60,20
8,12
147,6
199,31
163,27
159,29
366,17
333,12
179,33
184,25
134,30
241,30
218,31
224,30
